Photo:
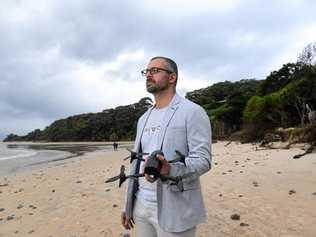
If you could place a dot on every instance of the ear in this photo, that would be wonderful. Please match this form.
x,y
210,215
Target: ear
x,y
172,78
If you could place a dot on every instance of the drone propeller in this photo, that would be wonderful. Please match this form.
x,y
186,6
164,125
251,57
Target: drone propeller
x,y
135,155
113,179
121,177
127,157
130,154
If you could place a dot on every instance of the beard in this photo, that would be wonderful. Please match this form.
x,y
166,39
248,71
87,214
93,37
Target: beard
x,y
153,87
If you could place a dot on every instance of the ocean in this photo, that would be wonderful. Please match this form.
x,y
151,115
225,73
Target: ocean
x,y
6,153
20,157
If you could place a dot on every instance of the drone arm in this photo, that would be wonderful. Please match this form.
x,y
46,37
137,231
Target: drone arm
x,y
136,157
180,158
135,176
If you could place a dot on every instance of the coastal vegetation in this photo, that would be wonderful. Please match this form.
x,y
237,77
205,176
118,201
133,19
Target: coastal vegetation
x,y
283,104
109,125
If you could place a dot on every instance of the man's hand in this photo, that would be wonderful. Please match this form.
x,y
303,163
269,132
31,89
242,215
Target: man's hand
x,y
164,169
165,165
127,223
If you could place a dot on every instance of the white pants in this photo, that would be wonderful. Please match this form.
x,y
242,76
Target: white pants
x,y
146,220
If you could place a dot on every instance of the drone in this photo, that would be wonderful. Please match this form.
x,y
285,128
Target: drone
x,y
152,168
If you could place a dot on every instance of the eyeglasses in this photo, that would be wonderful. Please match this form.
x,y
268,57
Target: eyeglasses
x,y
154,70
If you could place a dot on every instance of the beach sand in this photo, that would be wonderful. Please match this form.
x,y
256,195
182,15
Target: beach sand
x,y
271,193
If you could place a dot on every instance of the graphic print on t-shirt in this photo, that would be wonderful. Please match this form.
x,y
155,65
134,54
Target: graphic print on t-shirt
x,y
149,141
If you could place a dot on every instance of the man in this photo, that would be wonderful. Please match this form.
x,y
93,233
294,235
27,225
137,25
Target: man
x,y
157,207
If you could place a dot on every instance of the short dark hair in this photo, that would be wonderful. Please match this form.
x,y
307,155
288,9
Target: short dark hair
x,y
172,66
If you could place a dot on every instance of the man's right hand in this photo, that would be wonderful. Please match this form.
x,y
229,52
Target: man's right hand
x,y
127,223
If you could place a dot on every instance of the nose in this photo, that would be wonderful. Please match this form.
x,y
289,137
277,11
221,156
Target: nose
x,y
148,73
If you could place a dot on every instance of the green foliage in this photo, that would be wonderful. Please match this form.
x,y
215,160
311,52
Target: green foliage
x,y
219,112
112,124
114,137
278,79
212,94
12,137
259,106
254,109
224,103
281,108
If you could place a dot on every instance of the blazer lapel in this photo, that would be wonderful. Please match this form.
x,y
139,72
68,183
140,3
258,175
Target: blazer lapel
x,y
142,127
167,118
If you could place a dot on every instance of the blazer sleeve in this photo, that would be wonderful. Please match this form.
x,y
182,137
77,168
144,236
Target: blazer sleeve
x,y
199,138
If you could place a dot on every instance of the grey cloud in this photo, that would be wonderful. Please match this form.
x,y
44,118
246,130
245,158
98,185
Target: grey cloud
x,y
38,53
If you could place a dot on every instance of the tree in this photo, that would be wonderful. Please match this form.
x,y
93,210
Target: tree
x,y
114,137
280,78
308,55
300,106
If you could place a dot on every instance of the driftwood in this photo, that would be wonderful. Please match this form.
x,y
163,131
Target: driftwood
x,y
309,150
228,143
311,114
270,145
266,145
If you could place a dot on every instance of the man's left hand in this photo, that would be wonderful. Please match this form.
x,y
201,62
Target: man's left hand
x,y
165,165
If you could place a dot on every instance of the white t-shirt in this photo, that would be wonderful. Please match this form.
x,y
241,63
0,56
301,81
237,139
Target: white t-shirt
x,y
149,141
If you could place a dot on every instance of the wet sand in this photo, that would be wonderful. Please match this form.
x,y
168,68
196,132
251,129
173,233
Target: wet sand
x,y
247,193
44,153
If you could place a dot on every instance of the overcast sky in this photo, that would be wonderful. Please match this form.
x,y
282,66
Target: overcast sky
x,y
60,58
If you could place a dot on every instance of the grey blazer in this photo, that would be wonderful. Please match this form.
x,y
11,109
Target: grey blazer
x,y
186,127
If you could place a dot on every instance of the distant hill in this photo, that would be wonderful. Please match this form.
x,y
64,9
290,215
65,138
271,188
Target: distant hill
x,y
111,124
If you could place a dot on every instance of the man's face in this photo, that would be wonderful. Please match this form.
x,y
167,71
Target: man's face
x,y
158,81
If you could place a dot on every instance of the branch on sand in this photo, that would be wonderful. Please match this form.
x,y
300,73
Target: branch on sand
x,y
309,150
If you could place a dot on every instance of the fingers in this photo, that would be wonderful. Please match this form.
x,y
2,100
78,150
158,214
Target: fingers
x,y
165,165
127,223
145,159
123,218
161,157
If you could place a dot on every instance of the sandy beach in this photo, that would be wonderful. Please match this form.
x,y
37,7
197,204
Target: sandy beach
x,y
266,191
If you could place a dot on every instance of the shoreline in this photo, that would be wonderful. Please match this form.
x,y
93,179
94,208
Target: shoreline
x,y
45,154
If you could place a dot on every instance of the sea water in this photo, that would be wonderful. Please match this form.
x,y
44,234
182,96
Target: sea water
x,y
10,153
16,158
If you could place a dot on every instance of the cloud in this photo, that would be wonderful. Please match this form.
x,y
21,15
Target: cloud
x,y
61,58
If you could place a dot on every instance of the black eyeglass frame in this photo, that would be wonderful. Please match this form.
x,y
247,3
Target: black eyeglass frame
x,y
154,70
